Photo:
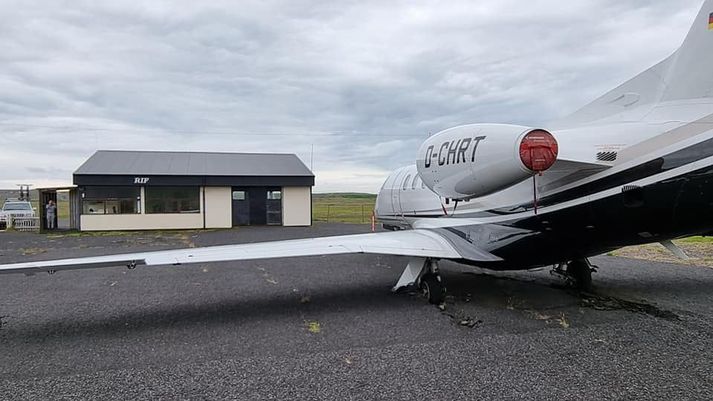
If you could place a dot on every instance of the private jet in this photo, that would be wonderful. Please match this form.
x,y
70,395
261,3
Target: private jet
x,y
635,166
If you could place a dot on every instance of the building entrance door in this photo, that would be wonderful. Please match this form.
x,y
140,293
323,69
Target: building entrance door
x,y
257,206
273,206
241,207
45,197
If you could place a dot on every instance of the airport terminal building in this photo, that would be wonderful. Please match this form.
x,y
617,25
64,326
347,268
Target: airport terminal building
x,y
144,190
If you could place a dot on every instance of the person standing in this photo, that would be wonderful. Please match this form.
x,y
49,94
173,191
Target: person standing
x,y
50,214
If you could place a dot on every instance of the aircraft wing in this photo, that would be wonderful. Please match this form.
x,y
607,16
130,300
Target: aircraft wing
x,y
419,243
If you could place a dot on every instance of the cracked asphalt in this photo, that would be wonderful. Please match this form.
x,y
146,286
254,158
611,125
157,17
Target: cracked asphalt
x,y
329,327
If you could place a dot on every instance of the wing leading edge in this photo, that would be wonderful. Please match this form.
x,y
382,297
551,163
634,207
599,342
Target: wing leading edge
x,y
418,243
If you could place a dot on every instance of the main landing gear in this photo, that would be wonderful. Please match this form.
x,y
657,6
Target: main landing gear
x,y
423,273
577,272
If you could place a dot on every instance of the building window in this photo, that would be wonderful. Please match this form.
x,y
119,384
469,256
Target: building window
x,y
111,200
274,195
173,200
239,195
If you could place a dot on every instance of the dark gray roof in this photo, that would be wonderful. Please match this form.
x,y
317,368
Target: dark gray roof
x,y
119,162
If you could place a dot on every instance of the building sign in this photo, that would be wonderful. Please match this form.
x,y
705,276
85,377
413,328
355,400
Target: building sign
x,y
141,180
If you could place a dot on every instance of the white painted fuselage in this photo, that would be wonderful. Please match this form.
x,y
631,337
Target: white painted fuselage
x,y
634,136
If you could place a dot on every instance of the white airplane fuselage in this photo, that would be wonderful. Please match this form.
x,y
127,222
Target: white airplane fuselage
x,y
641,176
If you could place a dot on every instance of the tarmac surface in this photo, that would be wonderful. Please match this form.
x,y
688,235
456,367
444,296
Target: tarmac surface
x,y
330,328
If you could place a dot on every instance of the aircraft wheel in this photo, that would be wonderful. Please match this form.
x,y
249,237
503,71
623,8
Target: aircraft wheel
x,y
433,288
580,271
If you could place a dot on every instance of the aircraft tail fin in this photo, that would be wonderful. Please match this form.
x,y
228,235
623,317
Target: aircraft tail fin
x,y
690,74
686,74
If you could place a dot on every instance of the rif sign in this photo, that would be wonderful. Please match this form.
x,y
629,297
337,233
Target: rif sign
x,y
141,180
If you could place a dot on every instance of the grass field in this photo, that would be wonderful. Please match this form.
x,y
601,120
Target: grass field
x,y
343,207
698,249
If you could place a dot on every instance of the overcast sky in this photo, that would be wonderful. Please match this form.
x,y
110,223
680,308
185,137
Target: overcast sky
x,y
362,82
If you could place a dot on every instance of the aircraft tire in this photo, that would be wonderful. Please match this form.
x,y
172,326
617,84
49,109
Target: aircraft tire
x,y
433,288
580,271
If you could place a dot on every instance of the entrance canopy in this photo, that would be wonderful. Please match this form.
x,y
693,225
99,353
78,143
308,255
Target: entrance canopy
x,y
67,216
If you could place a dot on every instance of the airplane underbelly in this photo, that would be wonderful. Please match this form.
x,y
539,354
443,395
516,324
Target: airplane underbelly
x,y
671,208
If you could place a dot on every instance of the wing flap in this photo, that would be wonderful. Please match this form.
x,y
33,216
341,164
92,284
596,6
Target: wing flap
x,y
419,243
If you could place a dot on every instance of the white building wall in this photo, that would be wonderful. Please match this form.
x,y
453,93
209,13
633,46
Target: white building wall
x,y
296,206
218,207
109,222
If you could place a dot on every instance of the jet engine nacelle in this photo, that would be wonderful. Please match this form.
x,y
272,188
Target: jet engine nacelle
x,y
476,160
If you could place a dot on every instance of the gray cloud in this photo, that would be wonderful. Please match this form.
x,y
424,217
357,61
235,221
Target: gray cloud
x,y
363,82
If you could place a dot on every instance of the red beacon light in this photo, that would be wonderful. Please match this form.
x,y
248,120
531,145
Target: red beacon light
x,y
538,150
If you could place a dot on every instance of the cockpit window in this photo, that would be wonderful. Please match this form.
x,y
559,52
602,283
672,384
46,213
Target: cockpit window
x,y
408,177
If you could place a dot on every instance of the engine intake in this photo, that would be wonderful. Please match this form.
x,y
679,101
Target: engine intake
x,y
476,160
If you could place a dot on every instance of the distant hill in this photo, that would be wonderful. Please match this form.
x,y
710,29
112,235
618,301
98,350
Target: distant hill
x,y
345,195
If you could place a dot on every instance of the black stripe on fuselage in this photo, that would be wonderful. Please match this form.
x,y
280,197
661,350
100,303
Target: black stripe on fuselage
x,y
661,164
670,208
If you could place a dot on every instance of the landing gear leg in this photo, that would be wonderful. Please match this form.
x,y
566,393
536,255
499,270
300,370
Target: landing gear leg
x,y
580,270
423,273
577,272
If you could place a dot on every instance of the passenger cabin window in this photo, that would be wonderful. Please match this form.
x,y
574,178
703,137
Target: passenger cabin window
x,y
406,180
